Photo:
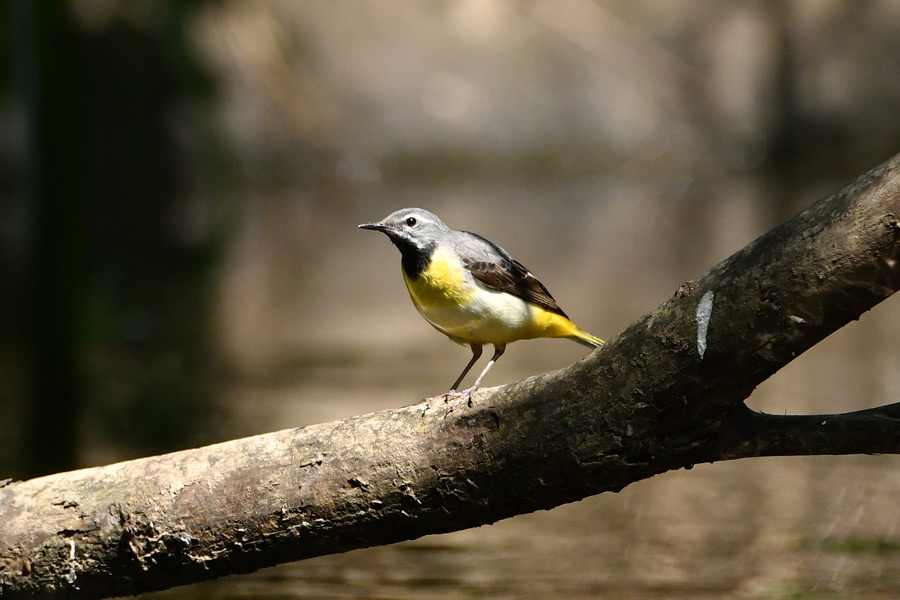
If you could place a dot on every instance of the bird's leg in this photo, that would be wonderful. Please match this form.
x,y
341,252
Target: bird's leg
x,y
476,354
467,394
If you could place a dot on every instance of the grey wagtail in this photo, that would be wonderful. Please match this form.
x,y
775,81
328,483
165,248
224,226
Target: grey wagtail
x,y
472,291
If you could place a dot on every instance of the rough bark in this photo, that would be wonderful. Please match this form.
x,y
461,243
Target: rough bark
x,y
665,394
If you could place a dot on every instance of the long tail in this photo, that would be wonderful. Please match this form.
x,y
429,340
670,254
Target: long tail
x,y
584,338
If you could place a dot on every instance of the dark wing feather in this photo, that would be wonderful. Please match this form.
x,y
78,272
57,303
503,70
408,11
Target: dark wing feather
x,y
493,267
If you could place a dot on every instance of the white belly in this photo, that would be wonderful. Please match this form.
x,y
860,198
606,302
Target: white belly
x,y
490,317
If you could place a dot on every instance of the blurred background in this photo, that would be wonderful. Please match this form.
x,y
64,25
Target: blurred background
x,y
181,184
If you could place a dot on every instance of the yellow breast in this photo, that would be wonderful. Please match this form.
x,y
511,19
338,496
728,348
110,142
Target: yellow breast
x,y
454,303
443,285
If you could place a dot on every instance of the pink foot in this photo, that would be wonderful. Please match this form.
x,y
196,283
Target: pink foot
x,y
457,398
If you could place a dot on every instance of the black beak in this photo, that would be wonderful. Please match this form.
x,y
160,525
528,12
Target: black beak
x,y
374,226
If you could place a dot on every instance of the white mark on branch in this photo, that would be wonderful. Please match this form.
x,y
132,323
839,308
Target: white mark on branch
x,y
704,312
71,576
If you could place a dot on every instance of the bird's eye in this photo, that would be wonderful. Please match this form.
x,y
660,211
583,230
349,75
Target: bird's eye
x,y
411,222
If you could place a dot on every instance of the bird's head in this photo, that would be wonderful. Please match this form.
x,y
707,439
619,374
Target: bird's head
x,y
411,228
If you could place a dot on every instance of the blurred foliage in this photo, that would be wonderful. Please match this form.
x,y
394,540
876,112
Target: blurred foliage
x,y
114,305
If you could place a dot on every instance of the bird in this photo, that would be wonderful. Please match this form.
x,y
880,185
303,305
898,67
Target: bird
x,y
471,290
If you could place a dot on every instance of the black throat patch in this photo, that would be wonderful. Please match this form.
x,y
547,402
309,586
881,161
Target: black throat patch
x,y
414,259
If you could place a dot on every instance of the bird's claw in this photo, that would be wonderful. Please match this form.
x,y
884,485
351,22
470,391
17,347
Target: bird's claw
x,y
457,397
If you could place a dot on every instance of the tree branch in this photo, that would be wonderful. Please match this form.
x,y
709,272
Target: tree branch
x,y
665,394
870,431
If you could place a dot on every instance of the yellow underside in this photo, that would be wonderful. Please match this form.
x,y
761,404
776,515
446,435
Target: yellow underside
x,y
457,305
442,285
